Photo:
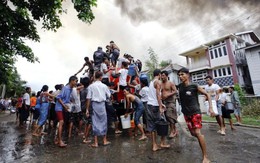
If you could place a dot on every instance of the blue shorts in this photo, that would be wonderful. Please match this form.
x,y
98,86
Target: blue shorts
x,y
139,111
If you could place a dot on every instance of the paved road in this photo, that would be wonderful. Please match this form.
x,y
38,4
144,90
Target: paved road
x,y
18,145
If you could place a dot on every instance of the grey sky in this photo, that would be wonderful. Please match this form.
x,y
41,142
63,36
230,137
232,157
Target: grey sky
x,y
169,28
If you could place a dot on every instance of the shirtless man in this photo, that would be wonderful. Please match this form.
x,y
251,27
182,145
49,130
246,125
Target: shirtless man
x,y
114,49
90,68
168,96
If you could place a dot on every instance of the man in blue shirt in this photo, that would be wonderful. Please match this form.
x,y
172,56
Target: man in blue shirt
x,y
62,99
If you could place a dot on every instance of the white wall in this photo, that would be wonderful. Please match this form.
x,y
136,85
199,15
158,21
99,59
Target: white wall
x,y
253,60
224,60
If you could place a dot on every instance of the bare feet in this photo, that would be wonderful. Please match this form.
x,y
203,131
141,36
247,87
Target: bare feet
x,y
206,160
118,132
85,141
233,128
172,135
94,145
156,148
35,134
222,133
165,146
143,138
62,144
44,133
107,143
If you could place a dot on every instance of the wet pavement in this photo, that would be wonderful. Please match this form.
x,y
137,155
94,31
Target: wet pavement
x,y
18,145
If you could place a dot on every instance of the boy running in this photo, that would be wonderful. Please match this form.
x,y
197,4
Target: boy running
x,y
188,93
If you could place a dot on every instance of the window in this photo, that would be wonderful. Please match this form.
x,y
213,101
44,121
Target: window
x,y
220,52
215,73
224,71
229,71
211,54
219,72
216,53
224,50
199,76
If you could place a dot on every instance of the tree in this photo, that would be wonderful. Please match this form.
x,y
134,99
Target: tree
x,y
152,63
165,63
15,85
17,23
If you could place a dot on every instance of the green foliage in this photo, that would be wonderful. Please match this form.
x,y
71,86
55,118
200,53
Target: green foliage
x,y
241,94
152,63
252,109
14,86
17,23
165,63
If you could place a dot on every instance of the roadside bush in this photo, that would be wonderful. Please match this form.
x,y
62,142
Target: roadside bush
x,y
252,108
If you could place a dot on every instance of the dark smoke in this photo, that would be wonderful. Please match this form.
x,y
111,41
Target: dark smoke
x,y
219,16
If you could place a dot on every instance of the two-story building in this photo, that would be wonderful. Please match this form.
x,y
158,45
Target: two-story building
x,y
224,59
253,60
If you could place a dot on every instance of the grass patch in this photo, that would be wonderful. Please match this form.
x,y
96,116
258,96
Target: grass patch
x,y
245,119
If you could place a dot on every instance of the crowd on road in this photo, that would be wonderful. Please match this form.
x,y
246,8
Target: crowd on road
x,y
91,103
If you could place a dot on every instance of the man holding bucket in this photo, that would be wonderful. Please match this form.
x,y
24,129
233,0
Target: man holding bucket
x,y
188,93
155,109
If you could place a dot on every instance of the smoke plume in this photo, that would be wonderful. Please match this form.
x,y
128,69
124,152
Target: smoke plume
x,y
213,16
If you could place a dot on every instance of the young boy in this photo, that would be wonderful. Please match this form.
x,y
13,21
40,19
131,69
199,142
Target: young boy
x,y
123,75
62,99
188,93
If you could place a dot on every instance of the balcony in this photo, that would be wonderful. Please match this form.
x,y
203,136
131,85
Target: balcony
x,y
199,65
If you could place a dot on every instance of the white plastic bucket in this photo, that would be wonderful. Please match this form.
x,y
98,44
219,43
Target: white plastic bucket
x,y
125,121
214,107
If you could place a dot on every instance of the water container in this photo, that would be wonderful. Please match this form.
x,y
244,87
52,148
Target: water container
x,y
131,70
126,123
214,107
144,76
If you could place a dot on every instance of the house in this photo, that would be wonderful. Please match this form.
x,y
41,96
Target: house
x,y
224,59
253,59
172,70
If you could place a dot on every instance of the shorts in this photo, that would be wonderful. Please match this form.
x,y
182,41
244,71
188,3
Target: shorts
x,y
170,113
194,121
225,113
153,115
237,111
139,111
111,113
114,56
219,106
59,115
75,118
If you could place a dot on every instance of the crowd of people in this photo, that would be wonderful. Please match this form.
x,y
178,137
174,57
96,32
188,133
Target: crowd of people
x,y
89,104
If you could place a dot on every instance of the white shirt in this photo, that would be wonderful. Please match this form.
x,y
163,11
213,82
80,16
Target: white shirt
x,y
76,100
120,60
212,90
152,98
144,94
98,92
102,68
26,97
123,75
222,97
